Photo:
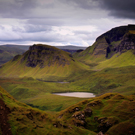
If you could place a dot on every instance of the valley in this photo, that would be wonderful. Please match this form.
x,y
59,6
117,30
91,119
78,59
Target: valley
x,y
106,69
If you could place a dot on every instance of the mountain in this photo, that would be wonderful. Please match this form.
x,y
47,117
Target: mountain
x,y
116,43
42,61
7,53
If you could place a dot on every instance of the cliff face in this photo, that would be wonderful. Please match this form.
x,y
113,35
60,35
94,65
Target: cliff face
x,y
44,55
118,39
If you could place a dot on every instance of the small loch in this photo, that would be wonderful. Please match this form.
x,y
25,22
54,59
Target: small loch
x,y
76,94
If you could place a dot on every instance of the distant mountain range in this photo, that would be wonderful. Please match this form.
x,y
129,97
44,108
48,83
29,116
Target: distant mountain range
x,y
7,53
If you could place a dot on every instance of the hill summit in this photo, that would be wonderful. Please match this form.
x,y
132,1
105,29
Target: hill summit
x,y
44,55
42,62
115,41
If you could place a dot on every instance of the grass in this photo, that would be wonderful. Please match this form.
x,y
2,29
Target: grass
x,y
53,72
24,120
38,94
118,60
108,109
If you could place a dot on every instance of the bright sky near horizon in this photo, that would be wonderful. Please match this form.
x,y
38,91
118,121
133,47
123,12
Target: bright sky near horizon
x,y
61,22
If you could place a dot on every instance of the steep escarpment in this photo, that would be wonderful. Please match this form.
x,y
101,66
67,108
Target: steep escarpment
x,y
44,55
117,40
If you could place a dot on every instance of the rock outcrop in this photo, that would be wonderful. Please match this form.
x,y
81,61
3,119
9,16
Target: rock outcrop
x,y
118,39
44,55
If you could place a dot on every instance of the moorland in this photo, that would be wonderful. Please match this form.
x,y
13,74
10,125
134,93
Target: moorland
x,y
107,69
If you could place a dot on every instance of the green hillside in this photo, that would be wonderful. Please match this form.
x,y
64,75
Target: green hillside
x,y
18,118
39,94
106,69
105,114
110,49
109,114
42,62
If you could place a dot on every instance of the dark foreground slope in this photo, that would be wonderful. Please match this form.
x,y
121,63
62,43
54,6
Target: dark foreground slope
x,y
115,45
42,62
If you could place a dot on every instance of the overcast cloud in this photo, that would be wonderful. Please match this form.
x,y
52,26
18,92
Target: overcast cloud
x,y
61,22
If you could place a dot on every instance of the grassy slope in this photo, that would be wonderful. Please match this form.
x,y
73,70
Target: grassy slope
x,y
118,60
120,120
107,113
119,80
26,120
89,56
38,93
53,72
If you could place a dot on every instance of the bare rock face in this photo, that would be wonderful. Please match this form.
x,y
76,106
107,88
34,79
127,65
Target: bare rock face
x,y
79,117
44,55
127,43
101,47
119,39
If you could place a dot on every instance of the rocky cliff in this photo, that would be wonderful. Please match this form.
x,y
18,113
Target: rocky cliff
x,y
44,55
117,40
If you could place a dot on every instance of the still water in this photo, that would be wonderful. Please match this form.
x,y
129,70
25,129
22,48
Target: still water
x,y
76,94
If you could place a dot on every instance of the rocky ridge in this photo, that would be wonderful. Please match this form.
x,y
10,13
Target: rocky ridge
x,y
117,40
44,55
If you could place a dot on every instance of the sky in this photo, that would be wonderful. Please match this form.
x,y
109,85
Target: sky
x,y
61,22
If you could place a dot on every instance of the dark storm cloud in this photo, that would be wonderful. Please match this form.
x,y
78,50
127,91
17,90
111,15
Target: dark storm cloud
x,y
85,4
16,8
61,21
120,8
116,8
